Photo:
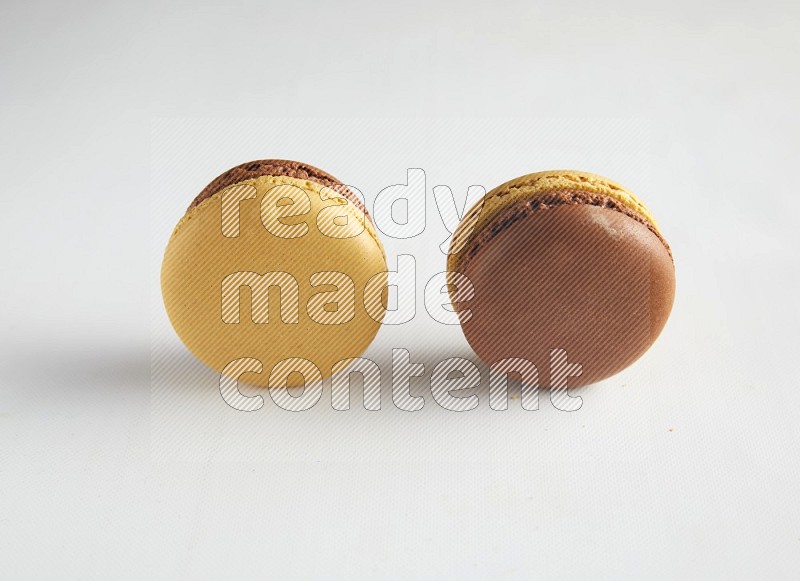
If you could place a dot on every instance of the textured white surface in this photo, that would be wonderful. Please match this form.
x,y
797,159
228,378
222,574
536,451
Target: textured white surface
x,y
685,465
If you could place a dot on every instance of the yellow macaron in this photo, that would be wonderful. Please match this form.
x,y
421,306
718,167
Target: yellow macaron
x,y
276,264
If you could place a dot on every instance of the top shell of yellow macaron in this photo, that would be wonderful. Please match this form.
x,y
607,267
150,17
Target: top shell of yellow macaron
x,y
274,269
530,187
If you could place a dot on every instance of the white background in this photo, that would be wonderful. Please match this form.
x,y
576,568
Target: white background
x,y
684,465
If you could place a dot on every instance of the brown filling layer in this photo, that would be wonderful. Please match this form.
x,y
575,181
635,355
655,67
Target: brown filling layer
x,y
519,210
277,167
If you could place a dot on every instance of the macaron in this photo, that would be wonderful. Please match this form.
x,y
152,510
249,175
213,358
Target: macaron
x,y
562,264
275,274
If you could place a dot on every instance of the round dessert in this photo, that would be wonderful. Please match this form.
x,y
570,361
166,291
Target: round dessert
x,y
562,260
274,265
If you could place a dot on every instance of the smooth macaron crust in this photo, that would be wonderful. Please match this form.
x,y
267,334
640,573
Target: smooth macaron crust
x,y
563,260
266,273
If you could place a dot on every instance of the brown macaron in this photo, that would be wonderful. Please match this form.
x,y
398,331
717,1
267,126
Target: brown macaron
x,y
562,260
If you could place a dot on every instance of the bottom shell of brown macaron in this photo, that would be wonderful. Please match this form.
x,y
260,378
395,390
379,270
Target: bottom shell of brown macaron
x,y
276,167
580,274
